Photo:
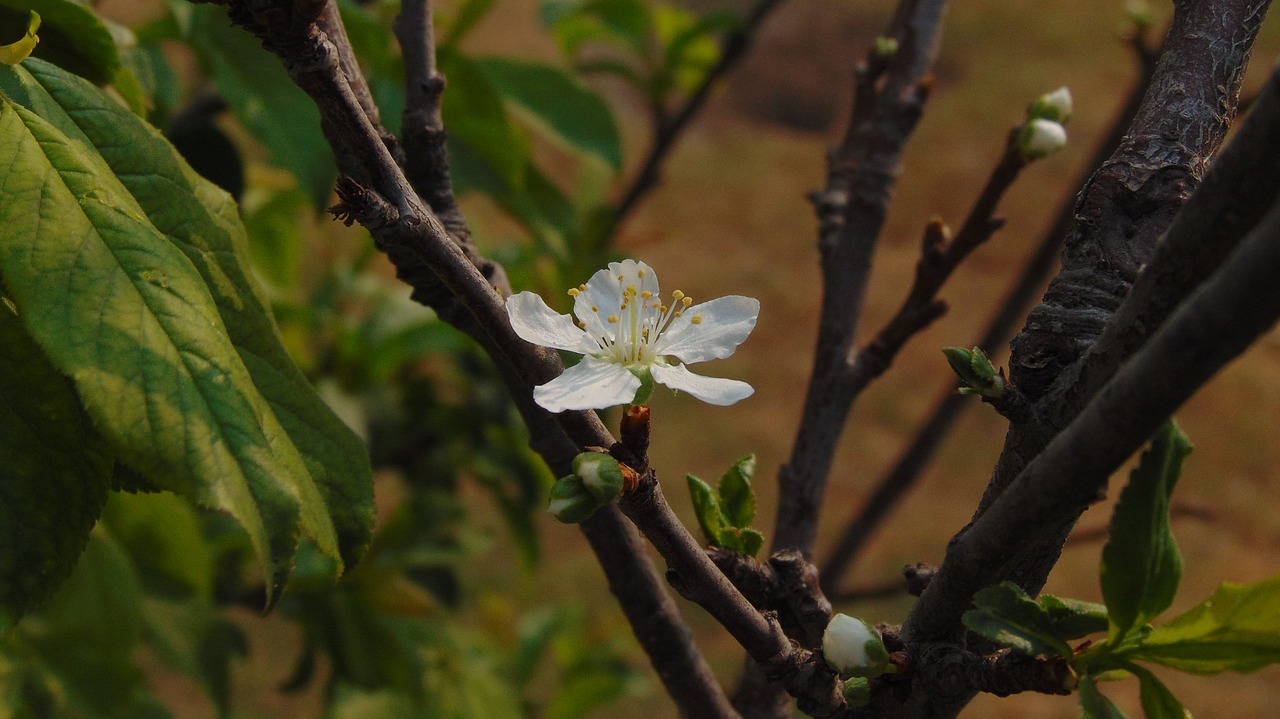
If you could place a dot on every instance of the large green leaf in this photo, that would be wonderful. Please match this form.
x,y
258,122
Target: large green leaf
x,y
185,371
1141,566
54,475
474,114
263,97
571,111
1236,629
1005,614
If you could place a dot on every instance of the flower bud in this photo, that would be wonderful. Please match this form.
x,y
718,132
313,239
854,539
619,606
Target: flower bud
x,y
600,474
1041,138
853,648
1054,106
570,501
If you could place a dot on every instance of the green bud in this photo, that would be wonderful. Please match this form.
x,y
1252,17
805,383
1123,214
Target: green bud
x,y
975,369
600,474
857,691
570,501
885,47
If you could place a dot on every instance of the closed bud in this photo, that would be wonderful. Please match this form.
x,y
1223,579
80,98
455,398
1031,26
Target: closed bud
x,y
570,501
1054,106
601,475
853,648
1041,138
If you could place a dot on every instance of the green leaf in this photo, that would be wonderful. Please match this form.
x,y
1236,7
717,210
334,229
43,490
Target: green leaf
x,y
474,114
691,48
1141,566
192,637
161,532
87,634
706,507
471,13
571,111
1157,701
541,208
752,541
1005,614
737,499
264,99
54,475
71,36
574,22
1236,629
1093,705
1072,618
186,354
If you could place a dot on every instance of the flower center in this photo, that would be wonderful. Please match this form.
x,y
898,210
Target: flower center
x,y
632,329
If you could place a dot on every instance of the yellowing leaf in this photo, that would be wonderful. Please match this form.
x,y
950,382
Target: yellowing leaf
x,y
16,52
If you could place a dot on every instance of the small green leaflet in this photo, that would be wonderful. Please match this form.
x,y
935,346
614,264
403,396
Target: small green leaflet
x,y
1157,701
725,516
1005,614
1093,705
1141,566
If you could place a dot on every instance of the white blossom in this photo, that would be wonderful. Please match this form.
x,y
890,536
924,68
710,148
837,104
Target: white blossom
x,y
853,648
629,339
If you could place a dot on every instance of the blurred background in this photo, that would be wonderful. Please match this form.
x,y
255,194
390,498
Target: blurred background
x,y
512,603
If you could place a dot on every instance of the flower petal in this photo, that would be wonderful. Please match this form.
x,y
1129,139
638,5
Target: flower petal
x,y
712,390
590,384
535,322
725,322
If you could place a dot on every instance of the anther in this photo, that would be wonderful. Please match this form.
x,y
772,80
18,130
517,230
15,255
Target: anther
x,y
574,292
697,319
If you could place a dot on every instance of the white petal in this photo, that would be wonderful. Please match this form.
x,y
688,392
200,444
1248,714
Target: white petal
x,y
635,272
535,322
725,323
590,384
602,297
712,390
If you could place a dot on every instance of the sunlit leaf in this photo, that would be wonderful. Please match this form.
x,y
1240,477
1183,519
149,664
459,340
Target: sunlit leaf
x,y
1235,629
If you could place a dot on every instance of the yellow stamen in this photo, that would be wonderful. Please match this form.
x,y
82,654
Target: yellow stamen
x,y
646,294
574,292
678,295
686,301
612,319
697,319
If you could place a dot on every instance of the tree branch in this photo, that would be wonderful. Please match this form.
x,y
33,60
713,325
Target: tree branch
x,y
947,408
890,96
402,225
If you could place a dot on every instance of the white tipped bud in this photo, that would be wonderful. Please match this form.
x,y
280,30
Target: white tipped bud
x,y
1041,138
601,475
1054,106
853,648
